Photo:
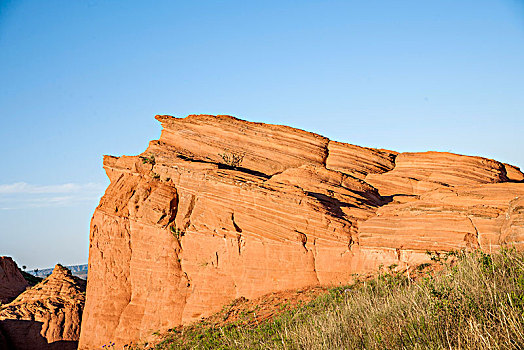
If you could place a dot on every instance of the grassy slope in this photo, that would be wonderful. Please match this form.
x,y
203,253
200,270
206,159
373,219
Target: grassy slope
x,y
475,302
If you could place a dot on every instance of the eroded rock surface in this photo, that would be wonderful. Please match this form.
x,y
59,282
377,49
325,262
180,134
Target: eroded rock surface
x,y
462,217
178,233
47,316
12,283
416,173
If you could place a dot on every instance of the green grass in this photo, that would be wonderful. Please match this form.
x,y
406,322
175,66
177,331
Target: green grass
x,y
475,302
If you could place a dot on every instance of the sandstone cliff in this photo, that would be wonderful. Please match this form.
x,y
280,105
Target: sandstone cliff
x,y
179,232
47,316
12,283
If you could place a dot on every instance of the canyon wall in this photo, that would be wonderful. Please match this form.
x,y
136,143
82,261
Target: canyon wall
x,y
183,229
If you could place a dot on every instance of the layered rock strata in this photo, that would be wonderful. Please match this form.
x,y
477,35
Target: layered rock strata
x,y
219,208
450,218
47,316
417,173
12,283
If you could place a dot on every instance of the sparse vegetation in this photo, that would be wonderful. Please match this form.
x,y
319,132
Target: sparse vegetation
x,y
176,232
148,160
232,159
475,301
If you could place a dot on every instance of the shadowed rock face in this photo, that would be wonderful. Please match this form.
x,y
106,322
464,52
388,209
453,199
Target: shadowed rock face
x,y
178,234
12,283
47,316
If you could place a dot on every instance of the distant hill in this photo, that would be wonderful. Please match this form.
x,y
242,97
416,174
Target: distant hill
x,y
56,302
76,270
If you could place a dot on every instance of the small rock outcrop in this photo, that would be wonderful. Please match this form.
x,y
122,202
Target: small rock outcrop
x,y
47,316
183,230
12,283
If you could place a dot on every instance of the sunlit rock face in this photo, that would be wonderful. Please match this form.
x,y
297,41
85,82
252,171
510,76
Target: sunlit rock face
x,y
46,316
220,208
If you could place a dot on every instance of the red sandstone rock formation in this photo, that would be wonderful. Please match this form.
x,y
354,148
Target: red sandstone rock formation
x,y
12,283
179,233
480,216
47,316
416,173
513,173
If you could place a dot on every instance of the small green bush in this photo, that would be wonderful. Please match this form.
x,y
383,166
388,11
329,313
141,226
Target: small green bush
x,y
176,232
148,160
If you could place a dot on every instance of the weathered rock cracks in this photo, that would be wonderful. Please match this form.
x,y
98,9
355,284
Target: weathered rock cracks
x,y
46,316
179,232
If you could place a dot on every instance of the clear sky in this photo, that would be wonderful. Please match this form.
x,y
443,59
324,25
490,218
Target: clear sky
x,y
79,79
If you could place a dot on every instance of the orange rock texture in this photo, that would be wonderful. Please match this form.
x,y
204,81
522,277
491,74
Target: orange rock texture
x,y
12,283
47,316
219,208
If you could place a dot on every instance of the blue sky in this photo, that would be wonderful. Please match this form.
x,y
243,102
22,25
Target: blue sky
x,y
79,79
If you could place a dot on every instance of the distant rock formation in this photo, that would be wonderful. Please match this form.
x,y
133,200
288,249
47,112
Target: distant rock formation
x,y
47,316
12,283
219,208
76,270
